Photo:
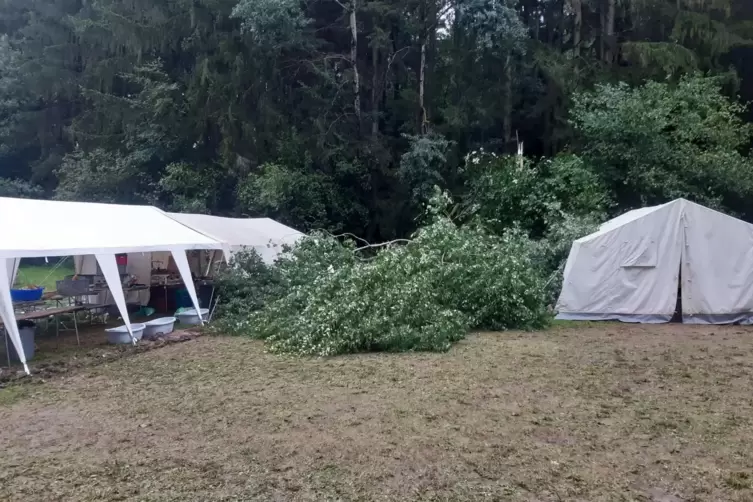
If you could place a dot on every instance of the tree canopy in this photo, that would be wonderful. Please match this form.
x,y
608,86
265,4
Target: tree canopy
x,y
343,114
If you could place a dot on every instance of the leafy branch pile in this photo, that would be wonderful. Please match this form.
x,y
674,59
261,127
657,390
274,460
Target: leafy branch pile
x,y
325,297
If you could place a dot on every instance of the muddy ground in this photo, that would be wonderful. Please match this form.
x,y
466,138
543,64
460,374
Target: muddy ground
x,y
591,413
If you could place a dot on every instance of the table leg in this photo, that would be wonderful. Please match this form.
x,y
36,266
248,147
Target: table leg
x,y
211,297
75,326
7,349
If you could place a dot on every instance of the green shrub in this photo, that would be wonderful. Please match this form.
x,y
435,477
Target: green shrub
x,y
550,253
553,201
249,285
505,191
245,287
662,140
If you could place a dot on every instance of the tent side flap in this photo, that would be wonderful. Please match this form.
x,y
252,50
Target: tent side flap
x,y
717,268
627,273
627,318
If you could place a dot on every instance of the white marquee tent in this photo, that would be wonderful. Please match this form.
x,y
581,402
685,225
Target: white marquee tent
x,y
36,228
632,268
265,235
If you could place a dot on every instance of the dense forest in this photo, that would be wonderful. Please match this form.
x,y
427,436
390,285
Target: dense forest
x,y
344,114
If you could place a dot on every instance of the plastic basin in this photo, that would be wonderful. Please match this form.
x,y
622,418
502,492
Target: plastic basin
x,y
26,295
120,334
161,326
191,317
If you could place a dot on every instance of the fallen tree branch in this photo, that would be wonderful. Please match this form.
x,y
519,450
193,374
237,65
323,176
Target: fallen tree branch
x,y
388,243
344,234
367,244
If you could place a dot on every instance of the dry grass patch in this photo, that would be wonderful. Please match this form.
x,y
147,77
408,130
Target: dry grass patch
x,y
604,412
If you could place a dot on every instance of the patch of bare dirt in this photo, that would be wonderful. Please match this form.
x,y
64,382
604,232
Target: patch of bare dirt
x,y
597,413
65,356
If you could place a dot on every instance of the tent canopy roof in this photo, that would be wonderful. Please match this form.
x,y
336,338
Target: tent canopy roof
x,y
680,204
239,232
37,228
626,218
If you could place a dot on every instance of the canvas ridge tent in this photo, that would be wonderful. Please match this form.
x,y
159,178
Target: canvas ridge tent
x,y
39,228
631,268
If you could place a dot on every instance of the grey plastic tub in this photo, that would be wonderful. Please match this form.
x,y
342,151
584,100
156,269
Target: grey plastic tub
x,y
161,326
27,342
191,317
120,334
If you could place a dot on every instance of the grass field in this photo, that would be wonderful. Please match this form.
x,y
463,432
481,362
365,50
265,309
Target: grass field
x,y
592,413
42,275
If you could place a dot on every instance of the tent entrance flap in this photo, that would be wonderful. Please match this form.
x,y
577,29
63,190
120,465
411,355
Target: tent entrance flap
x,y
677,316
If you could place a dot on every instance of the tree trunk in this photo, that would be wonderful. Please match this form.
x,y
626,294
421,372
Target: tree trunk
x,y
421,83
550,20
562,26
507,120
607,32
354,60
577,6
374,93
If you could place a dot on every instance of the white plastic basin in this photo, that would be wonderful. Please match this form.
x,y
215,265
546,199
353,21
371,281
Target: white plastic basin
x,y
161,326
191,317
120,334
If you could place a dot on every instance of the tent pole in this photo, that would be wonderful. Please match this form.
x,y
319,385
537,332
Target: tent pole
x,y
181,261
110,270
211,261
211,312
211,297
7,315
7,348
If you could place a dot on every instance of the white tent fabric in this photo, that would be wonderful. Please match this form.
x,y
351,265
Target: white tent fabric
x,y
630,269
717,268
32,228
139,265
6,312
265,235
181,261
109,268
37,228
12,268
